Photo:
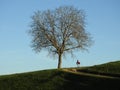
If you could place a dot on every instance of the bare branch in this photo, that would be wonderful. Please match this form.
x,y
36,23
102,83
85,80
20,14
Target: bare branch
x,y
59,31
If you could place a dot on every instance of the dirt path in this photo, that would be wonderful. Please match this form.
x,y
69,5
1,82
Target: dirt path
x,y
88,74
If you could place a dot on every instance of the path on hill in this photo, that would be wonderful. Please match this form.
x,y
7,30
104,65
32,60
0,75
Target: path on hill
x,y
88,74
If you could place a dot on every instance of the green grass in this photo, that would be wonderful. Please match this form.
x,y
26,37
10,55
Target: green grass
x,y
111,68
57,80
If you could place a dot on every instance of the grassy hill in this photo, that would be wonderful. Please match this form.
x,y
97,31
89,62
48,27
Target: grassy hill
x,y
62,80
111,69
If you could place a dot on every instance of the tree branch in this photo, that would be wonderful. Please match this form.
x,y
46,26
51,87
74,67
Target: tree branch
x,y
79,46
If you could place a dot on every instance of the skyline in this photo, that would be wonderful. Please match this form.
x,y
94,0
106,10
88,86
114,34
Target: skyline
x,y
16,55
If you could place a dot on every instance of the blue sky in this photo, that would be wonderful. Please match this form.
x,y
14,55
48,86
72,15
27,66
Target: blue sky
x,y
16,55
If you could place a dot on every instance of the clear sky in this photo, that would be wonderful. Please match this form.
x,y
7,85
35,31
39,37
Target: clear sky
x,y
16,55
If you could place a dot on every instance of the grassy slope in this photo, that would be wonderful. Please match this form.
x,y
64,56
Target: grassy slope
x,y
111,68
57,80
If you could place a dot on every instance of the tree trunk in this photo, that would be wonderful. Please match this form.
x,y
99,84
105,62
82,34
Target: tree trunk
x,y
59,61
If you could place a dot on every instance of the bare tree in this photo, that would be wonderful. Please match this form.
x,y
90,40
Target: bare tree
x,y
59,31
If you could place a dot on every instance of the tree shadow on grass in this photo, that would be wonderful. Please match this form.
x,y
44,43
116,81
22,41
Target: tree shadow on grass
x,y
82,82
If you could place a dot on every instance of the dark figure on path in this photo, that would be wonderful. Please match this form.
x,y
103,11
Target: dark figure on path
x,y
78,63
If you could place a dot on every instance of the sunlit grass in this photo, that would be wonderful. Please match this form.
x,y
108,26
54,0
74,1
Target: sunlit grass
x,y
62,80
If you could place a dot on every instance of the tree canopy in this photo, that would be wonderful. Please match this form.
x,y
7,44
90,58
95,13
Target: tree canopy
x,y
59,31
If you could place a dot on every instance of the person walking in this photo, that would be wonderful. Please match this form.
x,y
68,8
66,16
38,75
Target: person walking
x,y
78,63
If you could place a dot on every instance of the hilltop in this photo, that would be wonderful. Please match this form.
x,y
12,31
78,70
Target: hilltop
x,y
109,69
88,78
